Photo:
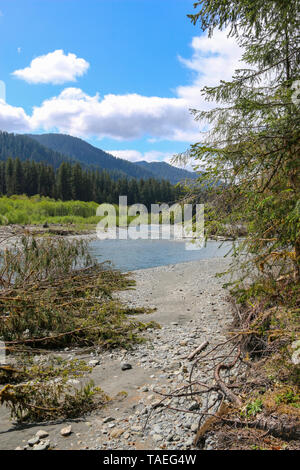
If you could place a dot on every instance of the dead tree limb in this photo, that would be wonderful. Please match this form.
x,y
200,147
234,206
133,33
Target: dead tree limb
x,y
232,397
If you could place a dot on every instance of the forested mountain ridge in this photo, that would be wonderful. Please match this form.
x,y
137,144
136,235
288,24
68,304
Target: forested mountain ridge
x,y
54,149
24,148
87,154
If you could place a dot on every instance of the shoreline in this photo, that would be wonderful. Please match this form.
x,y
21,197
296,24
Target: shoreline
x,y
9,234
191,307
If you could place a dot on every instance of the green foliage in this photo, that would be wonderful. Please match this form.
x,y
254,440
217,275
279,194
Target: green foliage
x,y
44,390
288,397
253,408
69,180
55,295
38,210
251,151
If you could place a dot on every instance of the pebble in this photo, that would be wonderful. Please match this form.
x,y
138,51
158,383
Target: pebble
x,y
94,362
66,431
126,366
42,434
108,419
117,433
33,441
194,427
42,445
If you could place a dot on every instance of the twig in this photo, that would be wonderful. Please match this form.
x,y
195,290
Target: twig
x,y
198,350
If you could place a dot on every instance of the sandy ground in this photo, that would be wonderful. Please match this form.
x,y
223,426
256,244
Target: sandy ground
x,y
191,307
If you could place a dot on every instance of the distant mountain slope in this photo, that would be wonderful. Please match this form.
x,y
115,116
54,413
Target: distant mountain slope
x,y
166,171
89,155
23,147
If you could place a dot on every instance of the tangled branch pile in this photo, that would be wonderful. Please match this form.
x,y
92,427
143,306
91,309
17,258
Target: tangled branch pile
x,y
244,392
54,296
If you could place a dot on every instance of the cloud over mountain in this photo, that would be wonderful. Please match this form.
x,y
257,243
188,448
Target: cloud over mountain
x,y
120,117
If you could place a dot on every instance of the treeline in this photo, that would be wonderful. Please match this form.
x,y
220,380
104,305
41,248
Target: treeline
x,y
72,182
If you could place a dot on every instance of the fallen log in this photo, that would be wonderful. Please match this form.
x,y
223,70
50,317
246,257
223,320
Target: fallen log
x,y
284,426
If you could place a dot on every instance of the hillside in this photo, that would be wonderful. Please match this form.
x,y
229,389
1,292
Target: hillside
x,y
167,171
87,154
24,148
54,149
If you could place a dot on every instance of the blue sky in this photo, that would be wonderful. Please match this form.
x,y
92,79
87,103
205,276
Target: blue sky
x,y
121,74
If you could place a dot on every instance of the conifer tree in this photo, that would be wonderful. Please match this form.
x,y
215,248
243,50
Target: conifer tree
x,y
251,152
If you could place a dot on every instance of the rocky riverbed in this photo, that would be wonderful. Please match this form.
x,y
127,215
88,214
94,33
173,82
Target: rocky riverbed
x,y
191,307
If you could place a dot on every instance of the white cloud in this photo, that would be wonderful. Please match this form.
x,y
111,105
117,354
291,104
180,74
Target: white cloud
x,y
120,117
131,116
13,119
213,59
56,68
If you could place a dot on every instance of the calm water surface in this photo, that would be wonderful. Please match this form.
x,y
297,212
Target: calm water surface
x,y
130,255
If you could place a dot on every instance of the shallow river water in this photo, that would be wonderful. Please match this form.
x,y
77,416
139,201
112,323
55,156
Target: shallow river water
x,y
130,255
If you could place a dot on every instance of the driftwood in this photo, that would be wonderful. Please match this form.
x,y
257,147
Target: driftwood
x,y
198,350
285,427
223,410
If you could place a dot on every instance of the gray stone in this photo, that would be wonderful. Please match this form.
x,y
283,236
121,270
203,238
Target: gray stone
x,y
43,445
194,406
136,428
194,427
94,362
189,442
66,431
108,419
33,441
42,434
126,366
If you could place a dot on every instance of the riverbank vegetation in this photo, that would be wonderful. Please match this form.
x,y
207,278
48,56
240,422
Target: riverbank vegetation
x,y
54,296
24,210
251,168
72,215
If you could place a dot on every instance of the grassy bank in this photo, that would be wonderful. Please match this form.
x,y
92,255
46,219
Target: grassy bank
x,y
38,210
25,210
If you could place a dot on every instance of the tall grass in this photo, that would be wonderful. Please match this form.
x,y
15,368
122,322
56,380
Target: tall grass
x,y
24,210
38,210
